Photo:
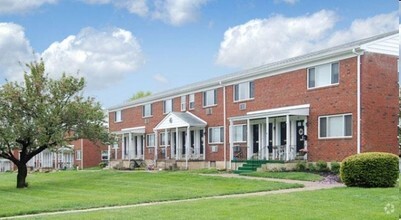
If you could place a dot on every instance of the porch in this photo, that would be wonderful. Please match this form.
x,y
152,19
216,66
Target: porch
x,y
132,143
272,134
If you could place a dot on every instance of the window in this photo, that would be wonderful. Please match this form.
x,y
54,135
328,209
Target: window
x,y
105,155
117,116
183,103
147,110
163,139
243,91
167,106
323,75
209,98
239,132
192,101
78,155
216,135
150,140
335,126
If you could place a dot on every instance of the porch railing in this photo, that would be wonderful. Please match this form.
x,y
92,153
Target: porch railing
x,y
278,152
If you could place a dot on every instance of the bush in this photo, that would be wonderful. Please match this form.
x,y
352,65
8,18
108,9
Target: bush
x,y
335,167
102,164
300,166
370,170
321,166
311,167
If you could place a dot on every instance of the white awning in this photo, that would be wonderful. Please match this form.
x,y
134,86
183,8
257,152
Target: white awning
x,y
301,110
135,130
180,119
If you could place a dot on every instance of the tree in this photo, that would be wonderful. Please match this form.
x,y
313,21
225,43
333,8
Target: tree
x,y
140,94
43,113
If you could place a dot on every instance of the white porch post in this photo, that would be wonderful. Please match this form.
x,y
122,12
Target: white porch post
x,y
306,133
177,141
248,137
267,138
187,147
287,147
143,147
165,143
130,146
122,146
156,146
204,144
171,145
231,138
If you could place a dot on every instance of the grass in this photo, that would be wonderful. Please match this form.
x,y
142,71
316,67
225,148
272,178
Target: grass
x,y
287,175
339,203
84,189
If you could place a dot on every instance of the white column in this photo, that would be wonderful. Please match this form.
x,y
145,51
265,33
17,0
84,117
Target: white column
x,y
230,136
177,141
122,146
171,145
306,133
108,152
204,144
156,146
267,138
130,145
187,147
287,147
165,143
143,147
248,137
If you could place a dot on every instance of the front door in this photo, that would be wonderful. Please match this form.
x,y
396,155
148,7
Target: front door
x,y
255,138
300,135
283,132
270,144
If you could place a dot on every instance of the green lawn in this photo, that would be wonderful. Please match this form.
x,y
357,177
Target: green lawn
x,y
287,175
76,190
340,203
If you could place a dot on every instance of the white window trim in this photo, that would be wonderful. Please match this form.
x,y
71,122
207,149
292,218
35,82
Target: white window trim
x,y
183,103
249,92
79,153
336,137
147,140
218,127
189,101
234,141
143,111
164,106
203,98
118,116
324,86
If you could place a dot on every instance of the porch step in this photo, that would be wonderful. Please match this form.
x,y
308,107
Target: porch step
x,y
251,166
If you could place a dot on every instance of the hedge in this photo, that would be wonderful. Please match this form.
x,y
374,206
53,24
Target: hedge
x,y
372,169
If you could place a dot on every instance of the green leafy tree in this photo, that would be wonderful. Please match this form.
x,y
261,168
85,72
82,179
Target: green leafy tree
x,y
43,113
140,94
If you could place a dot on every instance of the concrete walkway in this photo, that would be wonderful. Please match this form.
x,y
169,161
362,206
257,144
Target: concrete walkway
x,y
308,186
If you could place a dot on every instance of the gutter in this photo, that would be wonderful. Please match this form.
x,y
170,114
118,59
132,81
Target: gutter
x,y
358,73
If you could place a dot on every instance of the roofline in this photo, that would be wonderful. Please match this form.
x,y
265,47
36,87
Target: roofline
x,y
346,48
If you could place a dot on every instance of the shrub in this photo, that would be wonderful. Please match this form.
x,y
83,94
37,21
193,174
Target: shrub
x,y
321,166
300,166
335,167
311,167
370,170
102,164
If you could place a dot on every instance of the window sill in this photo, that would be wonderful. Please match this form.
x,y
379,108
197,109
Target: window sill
x,y
216,143
209,106
323,87
118,121
335,138
244,100
144,117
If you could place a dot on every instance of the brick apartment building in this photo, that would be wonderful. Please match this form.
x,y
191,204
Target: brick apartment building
x,y
325,105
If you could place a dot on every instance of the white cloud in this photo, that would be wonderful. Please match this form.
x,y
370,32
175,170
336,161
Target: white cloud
x,y
177,12
138,7
261,41
21,6
160,78
15,51
291,2
102,57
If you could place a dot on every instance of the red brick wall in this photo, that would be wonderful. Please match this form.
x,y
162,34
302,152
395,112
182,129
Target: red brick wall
x,y
91,154
380,103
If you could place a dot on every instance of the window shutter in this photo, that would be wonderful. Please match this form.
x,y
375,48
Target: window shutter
x,y
222,134
251,89
334,73
323,127
204,98
215,97
311,77
236,96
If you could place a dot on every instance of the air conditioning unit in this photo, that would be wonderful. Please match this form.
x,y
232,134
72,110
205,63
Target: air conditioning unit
x,y
209,111
215,148
242,106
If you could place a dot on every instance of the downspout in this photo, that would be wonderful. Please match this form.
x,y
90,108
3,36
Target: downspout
x,y
225,126
358,102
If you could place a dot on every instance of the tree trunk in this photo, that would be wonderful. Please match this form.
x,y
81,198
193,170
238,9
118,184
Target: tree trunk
x,y
21,177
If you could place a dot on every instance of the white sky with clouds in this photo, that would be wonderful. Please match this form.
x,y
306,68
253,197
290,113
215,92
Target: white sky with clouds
x,y
124,46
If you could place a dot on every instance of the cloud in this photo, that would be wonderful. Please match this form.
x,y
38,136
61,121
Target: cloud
x,y
160,78
262,41
290,2
102,57
177,12
21,6
15,51
138,7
